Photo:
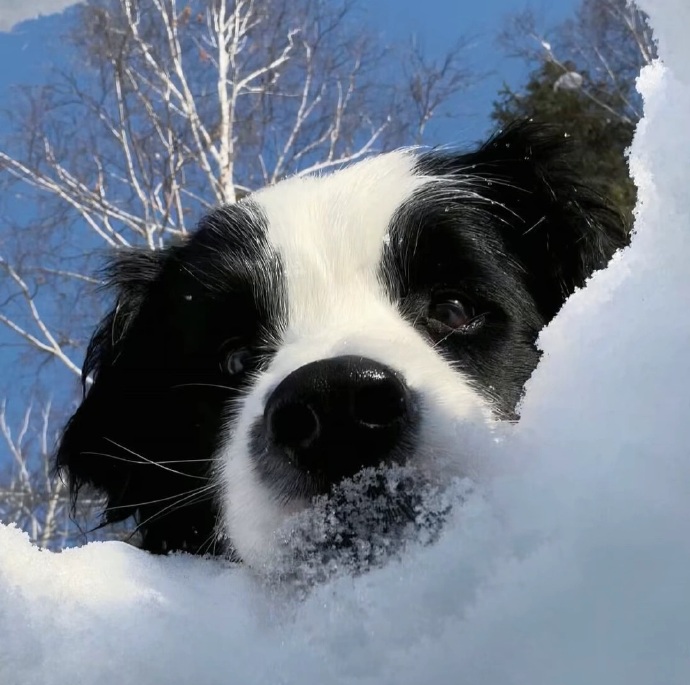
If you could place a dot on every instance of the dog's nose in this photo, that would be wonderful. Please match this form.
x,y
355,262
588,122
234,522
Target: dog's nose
x,y
335,416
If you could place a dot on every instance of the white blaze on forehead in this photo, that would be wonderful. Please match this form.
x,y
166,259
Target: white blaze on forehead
x,y
330,232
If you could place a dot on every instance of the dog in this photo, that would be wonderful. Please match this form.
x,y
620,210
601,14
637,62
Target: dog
x,y
327,325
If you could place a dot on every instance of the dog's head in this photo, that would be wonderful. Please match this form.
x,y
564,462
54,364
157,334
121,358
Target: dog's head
x,y
326,324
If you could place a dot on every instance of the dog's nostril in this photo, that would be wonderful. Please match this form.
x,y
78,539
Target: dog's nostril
x,y
380,403
294,425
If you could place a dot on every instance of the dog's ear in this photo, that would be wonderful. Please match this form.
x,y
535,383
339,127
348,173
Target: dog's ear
x,y
555,222
83,448
146,427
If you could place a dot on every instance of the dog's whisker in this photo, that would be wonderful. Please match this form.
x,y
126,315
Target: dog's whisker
x,y
148,462
202,385
143,460
443,339
185,461
208,546
537,223
184,501
177,495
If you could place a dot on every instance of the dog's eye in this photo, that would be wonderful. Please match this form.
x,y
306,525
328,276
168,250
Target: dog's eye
x,y
446,308
238,361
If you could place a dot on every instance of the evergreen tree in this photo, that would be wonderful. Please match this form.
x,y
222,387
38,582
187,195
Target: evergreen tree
x,y
583,79
553,94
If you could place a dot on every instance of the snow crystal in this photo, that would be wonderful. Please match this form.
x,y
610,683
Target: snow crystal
x,y
571,80
570,568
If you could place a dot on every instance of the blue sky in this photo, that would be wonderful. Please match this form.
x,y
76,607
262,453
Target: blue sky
x,y
29,48
440,23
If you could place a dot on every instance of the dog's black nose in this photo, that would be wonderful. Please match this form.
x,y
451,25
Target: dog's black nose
x,y
335,416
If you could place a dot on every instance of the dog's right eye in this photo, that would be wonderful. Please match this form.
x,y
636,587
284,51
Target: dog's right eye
x,y
448,309
450,312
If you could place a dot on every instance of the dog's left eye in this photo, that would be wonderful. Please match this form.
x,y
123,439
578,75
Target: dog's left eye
x,y
450,311
238,361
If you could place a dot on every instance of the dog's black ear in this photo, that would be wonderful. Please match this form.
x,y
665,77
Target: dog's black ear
x,y
130,274
127,432
557,224
87,453
142,435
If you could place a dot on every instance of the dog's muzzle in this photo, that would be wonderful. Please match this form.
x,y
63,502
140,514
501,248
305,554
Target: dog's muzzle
x,y
331,418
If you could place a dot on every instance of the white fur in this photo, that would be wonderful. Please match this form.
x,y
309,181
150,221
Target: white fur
x,y
330,232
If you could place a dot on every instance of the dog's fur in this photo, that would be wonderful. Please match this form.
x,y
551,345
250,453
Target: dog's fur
x,y
352,265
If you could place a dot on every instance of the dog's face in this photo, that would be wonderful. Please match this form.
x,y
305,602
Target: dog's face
x,y
326,324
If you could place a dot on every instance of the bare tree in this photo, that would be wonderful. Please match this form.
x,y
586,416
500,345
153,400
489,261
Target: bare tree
x,y
32,499
600,52
29,495
174,108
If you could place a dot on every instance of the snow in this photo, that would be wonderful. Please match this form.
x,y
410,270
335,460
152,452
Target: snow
x,y
570,567
571,80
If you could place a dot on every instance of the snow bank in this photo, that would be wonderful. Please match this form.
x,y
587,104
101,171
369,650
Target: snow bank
x,y
573,568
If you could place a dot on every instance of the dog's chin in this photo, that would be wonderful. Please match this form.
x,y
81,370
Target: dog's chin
x,y
362,523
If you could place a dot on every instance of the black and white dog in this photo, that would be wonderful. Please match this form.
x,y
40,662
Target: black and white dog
x,y
324,325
